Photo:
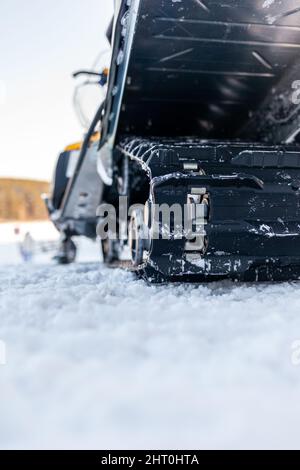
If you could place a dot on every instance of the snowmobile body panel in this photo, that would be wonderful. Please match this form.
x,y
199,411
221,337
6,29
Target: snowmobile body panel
x,y
74,201
197,67
87,191
60,181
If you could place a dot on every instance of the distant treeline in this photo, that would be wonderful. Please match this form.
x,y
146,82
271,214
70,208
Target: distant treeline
x,y
20,200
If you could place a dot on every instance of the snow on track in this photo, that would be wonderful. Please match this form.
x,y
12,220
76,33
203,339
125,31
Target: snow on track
x,y
99,359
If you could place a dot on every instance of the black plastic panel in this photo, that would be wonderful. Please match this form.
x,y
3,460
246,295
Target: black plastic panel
x,y
203,67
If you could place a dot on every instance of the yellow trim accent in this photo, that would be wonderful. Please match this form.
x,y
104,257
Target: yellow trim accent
x,y
95,137
73,147
78,145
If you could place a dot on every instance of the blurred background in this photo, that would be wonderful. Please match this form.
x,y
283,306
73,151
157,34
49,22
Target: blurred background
x,y
41,44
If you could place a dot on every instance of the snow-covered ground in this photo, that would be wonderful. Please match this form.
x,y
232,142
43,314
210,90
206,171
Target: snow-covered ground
x,y
46,236
98,359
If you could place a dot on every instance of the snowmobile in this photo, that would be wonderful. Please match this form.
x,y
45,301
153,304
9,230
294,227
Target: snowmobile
x,y
199,115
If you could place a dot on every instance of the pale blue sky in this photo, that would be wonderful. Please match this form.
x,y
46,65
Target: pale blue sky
x,y
41,43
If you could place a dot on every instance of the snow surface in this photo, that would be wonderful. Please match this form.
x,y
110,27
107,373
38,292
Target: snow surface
x,y
43,233
95,358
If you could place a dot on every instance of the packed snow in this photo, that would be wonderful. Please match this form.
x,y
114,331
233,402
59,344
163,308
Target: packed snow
x,y
97,359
